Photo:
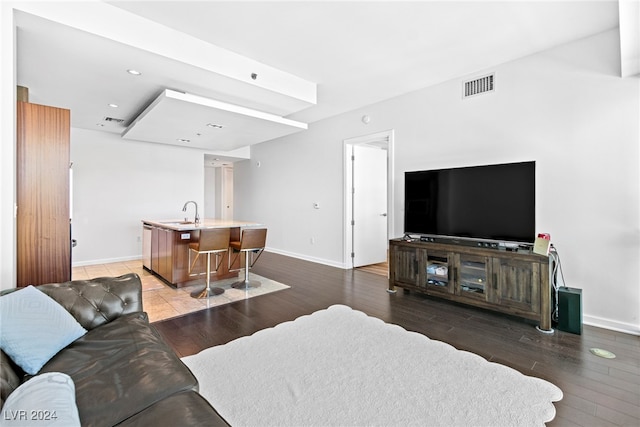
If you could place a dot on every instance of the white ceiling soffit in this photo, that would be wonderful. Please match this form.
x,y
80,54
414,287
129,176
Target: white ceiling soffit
x,y
189,120
88,30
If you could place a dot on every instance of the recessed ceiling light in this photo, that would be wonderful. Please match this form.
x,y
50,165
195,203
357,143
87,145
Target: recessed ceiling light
x,y
100,124
213,125
113,105
183,140
134,72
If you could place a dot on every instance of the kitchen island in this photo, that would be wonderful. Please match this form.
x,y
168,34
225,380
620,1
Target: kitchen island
x,y
166,249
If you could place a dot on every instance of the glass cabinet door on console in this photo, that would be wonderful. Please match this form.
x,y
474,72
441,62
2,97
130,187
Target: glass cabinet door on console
x,y
472,275
437,271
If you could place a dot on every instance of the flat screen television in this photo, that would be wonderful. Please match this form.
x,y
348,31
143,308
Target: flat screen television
x,y
490,202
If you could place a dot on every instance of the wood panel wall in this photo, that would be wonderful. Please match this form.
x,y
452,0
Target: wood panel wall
x,y
42,186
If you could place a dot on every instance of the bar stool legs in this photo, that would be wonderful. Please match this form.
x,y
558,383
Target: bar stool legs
x,y
212,241
208,291
246,283
252,240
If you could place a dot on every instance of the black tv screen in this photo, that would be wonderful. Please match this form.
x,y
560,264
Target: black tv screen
x,y
492,202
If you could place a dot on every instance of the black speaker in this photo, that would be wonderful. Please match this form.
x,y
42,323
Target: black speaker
x,y
570,310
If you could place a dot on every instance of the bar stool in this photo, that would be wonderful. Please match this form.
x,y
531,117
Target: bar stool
x,y
211,241
253,241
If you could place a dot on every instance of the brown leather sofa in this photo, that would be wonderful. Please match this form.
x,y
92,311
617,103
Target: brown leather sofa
x,y
123,371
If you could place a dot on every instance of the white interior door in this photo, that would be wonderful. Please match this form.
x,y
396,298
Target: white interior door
x,y
224,192
369,207
227,202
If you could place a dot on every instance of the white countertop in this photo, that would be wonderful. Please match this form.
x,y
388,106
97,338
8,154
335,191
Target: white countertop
x,y
182,225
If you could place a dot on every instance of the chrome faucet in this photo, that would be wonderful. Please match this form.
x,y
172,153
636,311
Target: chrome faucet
x,y
197,218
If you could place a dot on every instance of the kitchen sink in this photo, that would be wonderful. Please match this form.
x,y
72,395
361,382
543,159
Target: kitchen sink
x,y
177,222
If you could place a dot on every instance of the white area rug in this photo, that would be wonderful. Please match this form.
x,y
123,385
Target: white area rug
x,y
340,367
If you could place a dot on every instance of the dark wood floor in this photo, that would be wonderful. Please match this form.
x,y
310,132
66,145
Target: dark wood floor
x,y
597,391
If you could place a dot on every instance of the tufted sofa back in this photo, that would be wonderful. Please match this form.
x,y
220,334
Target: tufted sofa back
x,y
98,301
92,302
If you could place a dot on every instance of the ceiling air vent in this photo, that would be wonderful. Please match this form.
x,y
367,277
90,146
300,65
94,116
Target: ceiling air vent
x,y
478,86
113,120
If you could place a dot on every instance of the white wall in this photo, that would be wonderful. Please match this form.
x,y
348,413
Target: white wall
x,y
294,173
565,108
118,183
7,149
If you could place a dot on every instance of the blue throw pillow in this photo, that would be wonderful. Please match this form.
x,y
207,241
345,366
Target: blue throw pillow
x,y
47,400
34,328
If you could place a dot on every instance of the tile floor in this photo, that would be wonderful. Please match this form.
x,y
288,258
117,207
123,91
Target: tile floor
x,y
159,300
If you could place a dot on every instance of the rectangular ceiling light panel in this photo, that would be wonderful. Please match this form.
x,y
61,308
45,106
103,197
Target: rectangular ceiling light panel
x,y
184,119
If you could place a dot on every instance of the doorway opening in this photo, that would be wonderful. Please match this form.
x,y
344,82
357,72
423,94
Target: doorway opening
x,y
218,189
368,192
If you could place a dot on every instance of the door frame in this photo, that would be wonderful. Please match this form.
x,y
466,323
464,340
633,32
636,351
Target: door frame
x,y
369,139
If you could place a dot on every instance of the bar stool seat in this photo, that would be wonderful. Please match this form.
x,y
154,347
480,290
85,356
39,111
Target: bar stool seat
x,y
252,243
211,241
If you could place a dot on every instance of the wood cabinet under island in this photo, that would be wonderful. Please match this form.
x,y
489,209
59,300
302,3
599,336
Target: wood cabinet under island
x,y
167,249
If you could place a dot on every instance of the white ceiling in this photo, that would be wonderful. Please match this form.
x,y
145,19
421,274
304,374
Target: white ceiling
x,y
357,53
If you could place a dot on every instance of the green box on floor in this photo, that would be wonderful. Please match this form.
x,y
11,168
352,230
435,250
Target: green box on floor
x,y
570,310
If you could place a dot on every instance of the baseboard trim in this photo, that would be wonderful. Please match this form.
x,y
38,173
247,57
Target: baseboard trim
x,y
268,249
308,258
612,325
105,261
